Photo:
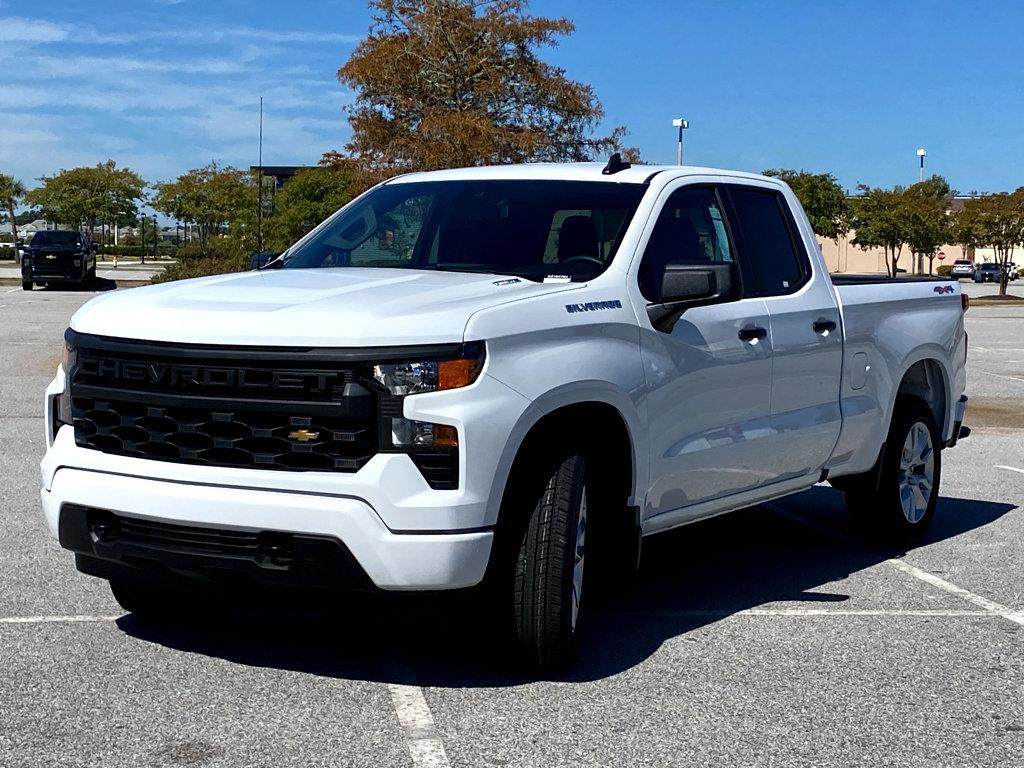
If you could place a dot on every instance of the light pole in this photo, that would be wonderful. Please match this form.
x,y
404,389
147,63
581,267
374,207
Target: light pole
x,y
921,153
680,124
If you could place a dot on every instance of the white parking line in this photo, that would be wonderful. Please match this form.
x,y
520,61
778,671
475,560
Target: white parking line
x,y
794,612
1003,376
63,618
1007,467
421,738
992,607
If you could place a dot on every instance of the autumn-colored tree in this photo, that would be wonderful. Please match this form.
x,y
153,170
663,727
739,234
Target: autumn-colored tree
x,y
996,222
304,201
445,83
11,193
823,200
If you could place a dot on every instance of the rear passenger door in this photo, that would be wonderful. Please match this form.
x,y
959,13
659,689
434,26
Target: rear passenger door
x,y
806,339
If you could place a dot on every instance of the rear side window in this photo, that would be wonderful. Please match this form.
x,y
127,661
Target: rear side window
x,y
776,260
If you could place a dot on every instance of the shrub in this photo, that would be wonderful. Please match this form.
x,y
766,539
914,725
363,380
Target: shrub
x,y
110,249
222,256
944,270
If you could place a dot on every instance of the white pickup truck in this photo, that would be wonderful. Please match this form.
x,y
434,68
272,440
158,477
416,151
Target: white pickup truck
x,y
498,376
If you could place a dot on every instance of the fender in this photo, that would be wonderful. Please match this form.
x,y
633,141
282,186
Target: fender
x,y
592,391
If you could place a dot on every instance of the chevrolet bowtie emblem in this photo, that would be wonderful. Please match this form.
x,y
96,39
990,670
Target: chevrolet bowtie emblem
x,y
303,435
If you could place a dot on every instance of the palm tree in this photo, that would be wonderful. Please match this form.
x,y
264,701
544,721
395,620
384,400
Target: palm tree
x,y
11,193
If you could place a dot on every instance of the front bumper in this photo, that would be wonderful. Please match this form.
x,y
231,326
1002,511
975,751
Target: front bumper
x,y
403,534
391,561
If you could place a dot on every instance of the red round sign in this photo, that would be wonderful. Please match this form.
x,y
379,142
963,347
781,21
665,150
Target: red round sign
x,y
941,255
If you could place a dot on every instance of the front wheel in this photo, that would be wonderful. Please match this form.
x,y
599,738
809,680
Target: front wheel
x,y
902,502
549,570
26,285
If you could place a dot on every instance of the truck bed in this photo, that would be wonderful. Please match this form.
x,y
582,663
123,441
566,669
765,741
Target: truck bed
x,y
854,279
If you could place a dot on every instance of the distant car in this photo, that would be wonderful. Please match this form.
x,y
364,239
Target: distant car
x,y
989,272
58,256
963,268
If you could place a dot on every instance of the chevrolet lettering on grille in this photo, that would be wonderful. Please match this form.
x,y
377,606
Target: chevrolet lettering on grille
x,y
185,377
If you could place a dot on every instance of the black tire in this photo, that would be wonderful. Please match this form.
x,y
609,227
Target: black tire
x,y
26,285
878,500
547,617
90,276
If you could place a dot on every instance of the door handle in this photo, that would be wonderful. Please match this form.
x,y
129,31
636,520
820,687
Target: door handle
x,y
824,326
752,333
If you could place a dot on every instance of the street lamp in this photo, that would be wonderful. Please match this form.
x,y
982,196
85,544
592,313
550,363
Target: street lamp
x,y
680,124
921,153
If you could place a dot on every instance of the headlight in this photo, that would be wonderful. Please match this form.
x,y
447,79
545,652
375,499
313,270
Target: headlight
x,y
434,448
69,358
430,376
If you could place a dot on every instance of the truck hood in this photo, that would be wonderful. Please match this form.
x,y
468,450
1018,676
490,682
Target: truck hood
x,y
336,307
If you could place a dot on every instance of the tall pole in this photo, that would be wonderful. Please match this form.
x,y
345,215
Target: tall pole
x,y
921,152
681,124
259,186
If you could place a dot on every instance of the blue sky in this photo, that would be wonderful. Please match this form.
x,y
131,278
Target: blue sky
x,y
848,87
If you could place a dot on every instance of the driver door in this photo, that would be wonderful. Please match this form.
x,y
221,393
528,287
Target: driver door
x,y
709,376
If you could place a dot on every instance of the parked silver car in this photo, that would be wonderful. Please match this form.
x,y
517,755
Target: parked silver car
x,y
963,268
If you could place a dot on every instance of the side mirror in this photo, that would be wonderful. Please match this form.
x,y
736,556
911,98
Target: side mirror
x,y
692,285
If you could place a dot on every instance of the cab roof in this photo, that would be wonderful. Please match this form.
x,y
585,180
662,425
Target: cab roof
x,y
636,174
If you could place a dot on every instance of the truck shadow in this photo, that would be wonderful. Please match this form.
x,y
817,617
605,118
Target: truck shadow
x,y
689,578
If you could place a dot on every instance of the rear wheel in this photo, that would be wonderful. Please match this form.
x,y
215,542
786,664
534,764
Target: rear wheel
x,y
549,569
26,285
898,499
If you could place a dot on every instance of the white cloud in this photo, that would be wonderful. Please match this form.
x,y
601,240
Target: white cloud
x,y
15,29
175,99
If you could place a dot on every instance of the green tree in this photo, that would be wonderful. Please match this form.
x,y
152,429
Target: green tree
x,y
926,215
12,191
823,200
304,201
443,83
879,218
996,222
214,199
85,196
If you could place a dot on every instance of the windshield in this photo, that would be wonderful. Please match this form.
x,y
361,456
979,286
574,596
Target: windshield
x,y
55,238
989,266
535,229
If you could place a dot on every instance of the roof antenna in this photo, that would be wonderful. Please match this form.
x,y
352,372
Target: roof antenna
x,y
615,164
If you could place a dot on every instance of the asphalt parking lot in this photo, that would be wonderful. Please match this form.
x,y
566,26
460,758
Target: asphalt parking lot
x,y
771,636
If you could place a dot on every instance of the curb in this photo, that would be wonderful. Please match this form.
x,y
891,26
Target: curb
x,y
76,287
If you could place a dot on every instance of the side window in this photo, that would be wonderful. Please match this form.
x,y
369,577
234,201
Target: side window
x,y
776,260
690,230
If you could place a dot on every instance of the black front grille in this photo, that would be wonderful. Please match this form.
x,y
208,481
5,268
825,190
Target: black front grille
x,y
223,436
213,408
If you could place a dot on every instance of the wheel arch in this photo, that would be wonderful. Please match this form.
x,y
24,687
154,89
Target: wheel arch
x,y
587,414
927,377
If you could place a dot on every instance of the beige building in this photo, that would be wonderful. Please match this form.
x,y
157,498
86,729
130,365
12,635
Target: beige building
x,y
844,256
